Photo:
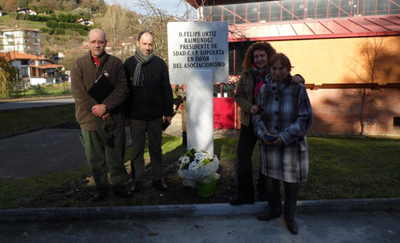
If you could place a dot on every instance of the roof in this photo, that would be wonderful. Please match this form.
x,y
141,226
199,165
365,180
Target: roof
x,y
318,29
47,66
13,55
198,3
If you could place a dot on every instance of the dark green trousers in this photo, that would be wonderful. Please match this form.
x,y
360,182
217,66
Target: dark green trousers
x,y
97,155
153,130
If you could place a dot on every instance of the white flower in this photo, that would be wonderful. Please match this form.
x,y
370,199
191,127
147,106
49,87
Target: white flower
x,y
198,156
185,160
193,165
201,163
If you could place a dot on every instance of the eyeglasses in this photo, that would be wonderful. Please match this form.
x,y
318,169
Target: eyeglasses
x,y
97,42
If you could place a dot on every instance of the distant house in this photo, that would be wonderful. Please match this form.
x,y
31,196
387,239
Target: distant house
x,y
23,40
33,69
26,11
87,22
57,57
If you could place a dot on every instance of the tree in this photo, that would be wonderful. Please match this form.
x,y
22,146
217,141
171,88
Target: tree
x,y
120,26
69,57
9,6
369,71
8,76
156,21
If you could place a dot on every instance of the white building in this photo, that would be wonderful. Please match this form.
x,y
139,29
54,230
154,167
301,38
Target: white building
x,y
26,11
87,22
33,69
23,40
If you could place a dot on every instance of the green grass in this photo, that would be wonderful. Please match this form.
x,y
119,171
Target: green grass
x,y
7,19
14,192
29,118
352,168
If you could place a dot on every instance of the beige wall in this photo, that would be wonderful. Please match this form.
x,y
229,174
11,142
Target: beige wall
x,y
338,111
332,60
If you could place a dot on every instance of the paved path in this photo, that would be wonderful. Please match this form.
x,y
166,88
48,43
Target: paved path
x,y
39,153
33,103
47,151
350,227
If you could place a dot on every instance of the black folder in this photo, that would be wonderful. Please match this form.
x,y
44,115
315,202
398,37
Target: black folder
x,y
101,88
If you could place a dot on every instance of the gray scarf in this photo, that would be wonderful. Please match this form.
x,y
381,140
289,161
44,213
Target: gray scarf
x,y
138,78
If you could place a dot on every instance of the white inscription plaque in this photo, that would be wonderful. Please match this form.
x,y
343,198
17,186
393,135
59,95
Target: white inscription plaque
x,y
198,45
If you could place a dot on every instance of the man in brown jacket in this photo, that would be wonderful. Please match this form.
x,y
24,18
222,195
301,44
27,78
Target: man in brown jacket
x,y
102,123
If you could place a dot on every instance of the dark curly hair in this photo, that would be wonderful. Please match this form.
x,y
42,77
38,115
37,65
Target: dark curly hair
x,y
249,58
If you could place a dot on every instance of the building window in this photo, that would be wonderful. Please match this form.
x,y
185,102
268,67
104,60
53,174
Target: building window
x,y
275,11
240,13
396,123
264,12
25,73
252,12
382,8
216,13
286,10
228,13
298,9
345,8
321,9
394,8
369,7
309,9
333,8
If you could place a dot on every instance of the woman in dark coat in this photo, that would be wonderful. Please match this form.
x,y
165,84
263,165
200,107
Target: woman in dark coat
x,y
282,126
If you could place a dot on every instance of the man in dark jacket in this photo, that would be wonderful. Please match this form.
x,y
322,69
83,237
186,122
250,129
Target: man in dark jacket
x,y
149,106
102,123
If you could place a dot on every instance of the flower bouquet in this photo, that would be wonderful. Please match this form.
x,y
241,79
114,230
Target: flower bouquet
x,y
197,167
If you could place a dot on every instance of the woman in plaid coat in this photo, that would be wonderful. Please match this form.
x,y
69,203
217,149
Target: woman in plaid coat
x,y
282,124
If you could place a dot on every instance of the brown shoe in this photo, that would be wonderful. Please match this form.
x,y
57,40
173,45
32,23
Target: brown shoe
x,y
292,227
267,216
99,196
123,192
137,186
160,184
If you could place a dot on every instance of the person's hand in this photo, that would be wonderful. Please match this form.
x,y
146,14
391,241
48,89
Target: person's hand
x,y
278,142
254,110
297,80
169,118
98,110
106,116
127,122
266,141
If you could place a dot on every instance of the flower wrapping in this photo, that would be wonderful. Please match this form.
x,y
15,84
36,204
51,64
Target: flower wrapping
x,y
197,166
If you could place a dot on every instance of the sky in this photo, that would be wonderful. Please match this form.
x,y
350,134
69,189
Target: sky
x,y
171,6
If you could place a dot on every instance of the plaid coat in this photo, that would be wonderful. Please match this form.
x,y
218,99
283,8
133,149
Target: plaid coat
x,y
287,112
